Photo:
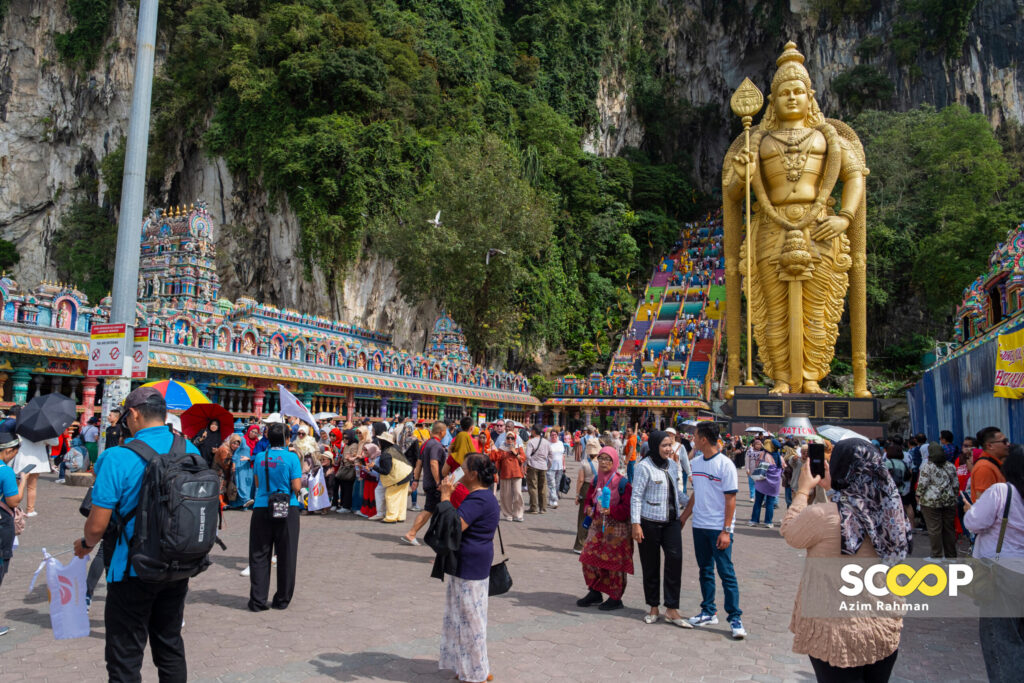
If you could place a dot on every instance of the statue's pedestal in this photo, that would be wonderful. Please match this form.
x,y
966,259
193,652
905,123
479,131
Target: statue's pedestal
x,y
755,407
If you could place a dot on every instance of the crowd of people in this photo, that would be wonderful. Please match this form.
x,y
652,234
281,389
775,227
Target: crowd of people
x,y
635,489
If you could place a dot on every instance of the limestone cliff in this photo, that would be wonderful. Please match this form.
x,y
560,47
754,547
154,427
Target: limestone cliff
x,y
56,124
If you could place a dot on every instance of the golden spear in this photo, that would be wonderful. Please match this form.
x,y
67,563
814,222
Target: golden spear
x,y
745,102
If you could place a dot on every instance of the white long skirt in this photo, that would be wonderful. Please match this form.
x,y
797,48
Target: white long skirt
x,y
464,631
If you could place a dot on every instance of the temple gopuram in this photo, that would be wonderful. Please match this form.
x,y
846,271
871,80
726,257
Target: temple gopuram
x,y
964,387
237,352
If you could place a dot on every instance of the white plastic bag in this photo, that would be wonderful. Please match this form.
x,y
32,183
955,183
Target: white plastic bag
x,y
318,497
69,616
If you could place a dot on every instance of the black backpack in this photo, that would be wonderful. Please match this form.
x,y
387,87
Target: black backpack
x,y
177,515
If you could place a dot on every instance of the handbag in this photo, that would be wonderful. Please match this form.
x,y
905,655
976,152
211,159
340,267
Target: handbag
x,y
564,484
277,502
992,581
500,581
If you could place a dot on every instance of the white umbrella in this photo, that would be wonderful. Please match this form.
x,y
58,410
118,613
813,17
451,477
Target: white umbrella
x,y
274,417
757,430
691,423
325,416
174,421
834,433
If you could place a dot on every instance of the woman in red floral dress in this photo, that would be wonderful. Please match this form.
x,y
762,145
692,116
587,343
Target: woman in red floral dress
x,y
608,552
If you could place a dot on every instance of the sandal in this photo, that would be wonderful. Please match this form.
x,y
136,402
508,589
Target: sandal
x,y
650,618
680,622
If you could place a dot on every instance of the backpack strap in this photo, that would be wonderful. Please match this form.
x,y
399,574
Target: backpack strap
x,y
1006,516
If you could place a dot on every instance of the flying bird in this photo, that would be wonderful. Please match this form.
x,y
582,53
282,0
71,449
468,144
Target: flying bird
x,y
491,252
437,220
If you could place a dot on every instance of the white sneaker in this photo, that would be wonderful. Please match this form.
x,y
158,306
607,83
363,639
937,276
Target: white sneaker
x,y
245,572
738,632
767,525
415,508
704,619
31,514
59,481
751,523
343,511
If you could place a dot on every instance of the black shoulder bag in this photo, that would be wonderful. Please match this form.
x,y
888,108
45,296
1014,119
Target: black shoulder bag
x,y
277,502
500,581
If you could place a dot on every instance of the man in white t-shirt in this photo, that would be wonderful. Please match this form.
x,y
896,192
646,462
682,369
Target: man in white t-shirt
x,y
713,507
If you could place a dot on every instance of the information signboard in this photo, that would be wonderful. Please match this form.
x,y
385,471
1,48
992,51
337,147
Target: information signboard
x,y
105,348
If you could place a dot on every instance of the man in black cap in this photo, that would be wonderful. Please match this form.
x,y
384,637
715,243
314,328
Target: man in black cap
x,y
135,611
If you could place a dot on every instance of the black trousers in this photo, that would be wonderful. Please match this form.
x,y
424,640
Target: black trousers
x,y
268,537
661,537
341,491
877,672
136,610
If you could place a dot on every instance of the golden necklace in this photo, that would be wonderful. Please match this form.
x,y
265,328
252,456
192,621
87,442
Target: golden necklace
x,y
790,147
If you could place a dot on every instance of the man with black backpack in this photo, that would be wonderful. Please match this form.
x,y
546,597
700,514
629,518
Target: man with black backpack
x,y
155,503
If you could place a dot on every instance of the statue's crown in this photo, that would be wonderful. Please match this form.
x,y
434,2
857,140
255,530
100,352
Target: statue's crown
x,y
791,67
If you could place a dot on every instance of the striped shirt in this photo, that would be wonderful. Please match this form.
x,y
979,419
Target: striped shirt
x,y
651,490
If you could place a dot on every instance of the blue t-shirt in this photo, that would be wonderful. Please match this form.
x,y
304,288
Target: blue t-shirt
x,y
283,466
8,481
118,483
480,511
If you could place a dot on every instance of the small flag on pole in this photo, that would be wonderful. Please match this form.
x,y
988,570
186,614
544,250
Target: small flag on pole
x,y
292,407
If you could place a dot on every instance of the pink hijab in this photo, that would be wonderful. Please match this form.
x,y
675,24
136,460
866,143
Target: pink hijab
x,y
611,479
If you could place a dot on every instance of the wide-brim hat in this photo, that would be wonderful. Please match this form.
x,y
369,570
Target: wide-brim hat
x,y
386,437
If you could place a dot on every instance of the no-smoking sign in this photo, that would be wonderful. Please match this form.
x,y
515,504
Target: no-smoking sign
x,y
114,353
137,355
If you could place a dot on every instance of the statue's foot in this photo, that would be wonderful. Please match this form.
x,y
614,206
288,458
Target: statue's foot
x,y
864,393
811,387
779,388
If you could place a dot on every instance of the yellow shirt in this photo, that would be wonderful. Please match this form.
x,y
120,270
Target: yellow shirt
x,y
421,435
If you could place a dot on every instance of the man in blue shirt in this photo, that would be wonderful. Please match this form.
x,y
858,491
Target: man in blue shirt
x,y
11,490
135,610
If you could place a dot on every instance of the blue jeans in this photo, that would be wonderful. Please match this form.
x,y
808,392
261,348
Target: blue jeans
x,y
708,558
769,503
789,496
750,483
629,471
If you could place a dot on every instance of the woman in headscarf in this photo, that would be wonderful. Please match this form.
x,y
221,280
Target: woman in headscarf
x,y
867,521
252,436
208,440
937,490
608,552
655,508
242,458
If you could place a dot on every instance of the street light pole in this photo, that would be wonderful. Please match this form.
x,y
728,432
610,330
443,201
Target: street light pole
x,y
133,188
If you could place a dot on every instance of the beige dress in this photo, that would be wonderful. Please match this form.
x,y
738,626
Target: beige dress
x,y
840,641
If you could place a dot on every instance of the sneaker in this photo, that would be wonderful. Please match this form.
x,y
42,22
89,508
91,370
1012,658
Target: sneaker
x,y
751,523
343,511
518,519
4,630
767,525
249,503
59,481
376,518
578,552
751,500
704,619
31,514
415,508
245,572
738,632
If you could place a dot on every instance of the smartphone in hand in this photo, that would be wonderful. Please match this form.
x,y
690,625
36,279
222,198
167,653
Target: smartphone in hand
x,y
27,468
816,457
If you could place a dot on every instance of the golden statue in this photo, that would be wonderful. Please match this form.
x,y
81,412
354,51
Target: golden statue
x,y
806,254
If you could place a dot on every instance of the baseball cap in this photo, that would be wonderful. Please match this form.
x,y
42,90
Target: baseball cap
x,y
140,396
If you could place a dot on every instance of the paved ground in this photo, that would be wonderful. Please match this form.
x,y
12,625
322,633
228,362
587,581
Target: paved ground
x,y
366,609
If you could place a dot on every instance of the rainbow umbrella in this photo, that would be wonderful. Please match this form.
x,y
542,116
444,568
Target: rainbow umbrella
x,y
179,396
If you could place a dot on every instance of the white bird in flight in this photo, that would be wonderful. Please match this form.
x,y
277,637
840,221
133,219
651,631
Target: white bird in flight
x,y
437,220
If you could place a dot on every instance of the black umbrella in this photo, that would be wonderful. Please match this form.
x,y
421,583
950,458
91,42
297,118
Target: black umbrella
x,y
45,417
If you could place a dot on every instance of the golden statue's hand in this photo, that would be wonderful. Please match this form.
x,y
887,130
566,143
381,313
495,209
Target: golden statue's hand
x,y
830,227
740,168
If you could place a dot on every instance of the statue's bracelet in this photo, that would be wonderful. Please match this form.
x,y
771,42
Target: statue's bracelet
x,y
847,214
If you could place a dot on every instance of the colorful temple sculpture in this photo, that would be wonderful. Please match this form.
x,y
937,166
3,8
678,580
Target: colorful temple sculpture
x,y
239,351
962,389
